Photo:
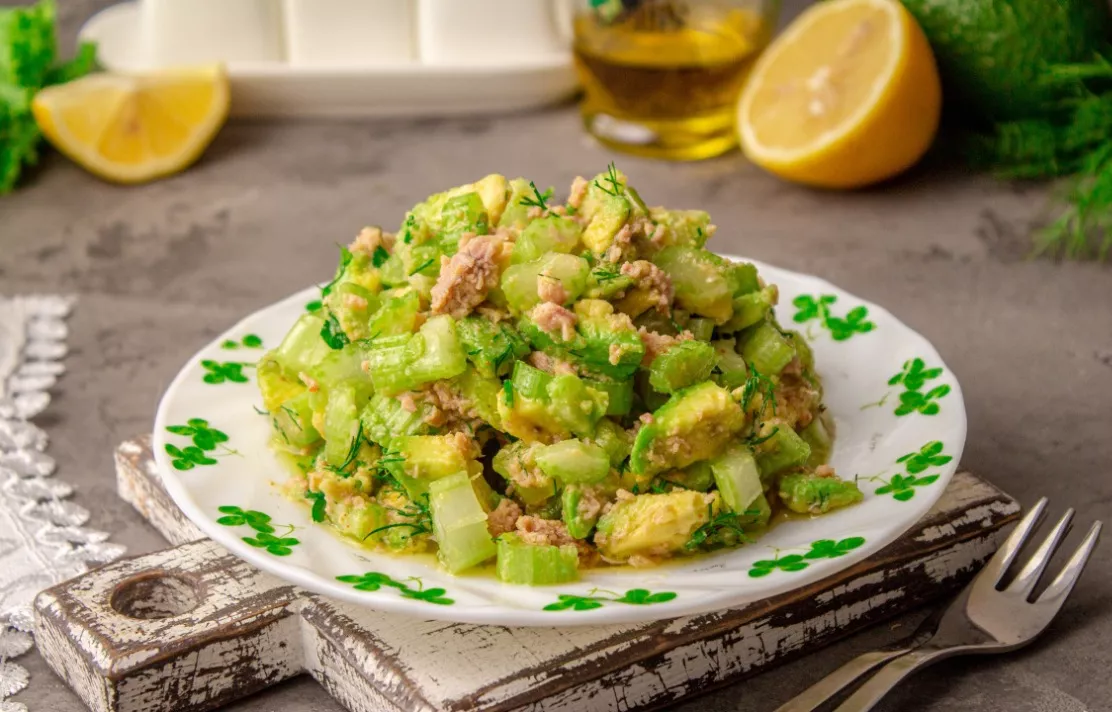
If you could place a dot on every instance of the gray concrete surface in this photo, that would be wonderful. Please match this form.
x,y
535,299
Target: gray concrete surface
x,y
161,269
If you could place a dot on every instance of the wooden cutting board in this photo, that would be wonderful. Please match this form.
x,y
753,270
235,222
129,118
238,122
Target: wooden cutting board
x,y
192,627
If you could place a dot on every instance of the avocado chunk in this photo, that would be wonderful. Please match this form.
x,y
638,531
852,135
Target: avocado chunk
x,y
607,209
695,424
516,464
580,510
654,525
811,494
697,476
689,228
515,214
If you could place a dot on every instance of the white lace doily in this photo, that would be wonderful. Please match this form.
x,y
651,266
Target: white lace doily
x,y
42,540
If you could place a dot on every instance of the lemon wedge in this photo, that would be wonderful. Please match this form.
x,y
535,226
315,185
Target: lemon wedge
x,y
132,128
848,95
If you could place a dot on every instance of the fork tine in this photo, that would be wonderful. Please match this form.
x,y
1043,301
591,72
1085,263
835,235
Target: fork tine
x,y
1063,583
1032,571
1005,555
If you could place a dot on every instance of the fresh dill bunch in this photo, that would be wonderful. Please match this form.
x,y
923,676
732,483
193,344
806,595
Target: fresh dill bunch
x,y
1072,138
1085,227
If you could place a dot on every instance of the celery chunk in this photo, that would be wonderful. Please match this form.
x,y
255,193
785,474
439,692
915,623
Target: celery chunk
x,y
535,565
459,523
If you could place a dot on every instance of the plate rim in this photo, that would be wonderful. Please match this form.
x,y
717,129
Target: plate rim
x,y
525,617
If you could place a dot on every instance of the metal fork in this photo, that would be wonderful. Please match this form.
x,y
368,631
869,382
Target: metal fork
x,y
987,617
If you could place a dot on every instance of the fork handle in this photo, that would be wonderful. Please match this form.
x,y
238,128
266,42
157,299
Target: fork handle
x,y
822,691
890,675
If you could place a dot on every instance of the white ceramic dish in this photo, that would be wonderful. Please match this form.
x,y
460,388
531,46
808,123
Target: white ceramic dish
x,y
324,89
901,429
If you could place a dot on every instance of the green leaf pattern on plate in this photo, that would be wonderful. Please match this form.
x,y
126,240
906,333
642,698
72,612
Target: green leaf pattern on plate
x,y
913,377
374,581
598,598
205,439
821,549
264,530
901,486
249,341
930,455
855,321
219,372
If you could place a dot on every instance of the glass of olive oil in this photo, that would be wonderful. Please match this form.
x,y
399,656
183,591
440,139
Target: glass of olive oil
x,y
661,78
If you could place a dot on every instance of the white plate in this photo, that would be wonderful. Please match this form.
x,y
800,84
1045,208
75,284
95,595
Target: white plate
x,y
413,89
900,428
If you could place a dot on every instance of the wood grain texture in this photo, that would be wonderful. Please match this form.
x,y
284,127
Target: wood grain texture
x,y
193,627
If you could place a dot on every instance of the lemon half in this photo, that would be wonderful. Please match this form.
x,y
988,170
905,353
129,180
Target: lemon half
x,y
848,95
134,128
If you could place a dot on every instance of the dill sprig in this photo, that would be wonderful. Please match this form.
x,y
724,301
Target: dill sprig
x,y
353,450
605,274
501,358
757,382
382,471
418,511
294,418
612,178
754,440
538,199
718,523
422,266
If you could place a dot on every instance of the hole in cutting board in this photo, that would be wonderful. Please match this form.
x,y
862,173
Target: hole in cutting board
x,y
155,595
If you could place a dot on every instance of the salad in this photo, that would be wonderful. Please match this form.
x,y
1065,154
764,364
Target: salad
x,y
549,387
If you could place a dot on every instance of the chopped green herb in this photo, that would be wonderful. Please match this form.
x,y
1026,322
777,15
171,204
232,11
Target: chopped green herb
x,y
615,188
422,266
410,223
353,450
754,441
380,256
345,260
333,334
418,510
508,389
319,505
538,199
724,521
293,416
605,274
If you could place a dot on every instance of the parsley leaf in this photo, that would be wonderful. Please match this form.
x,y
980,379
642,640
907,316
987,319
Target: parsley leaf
x,y
333,334
380,256
345,260
319,505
